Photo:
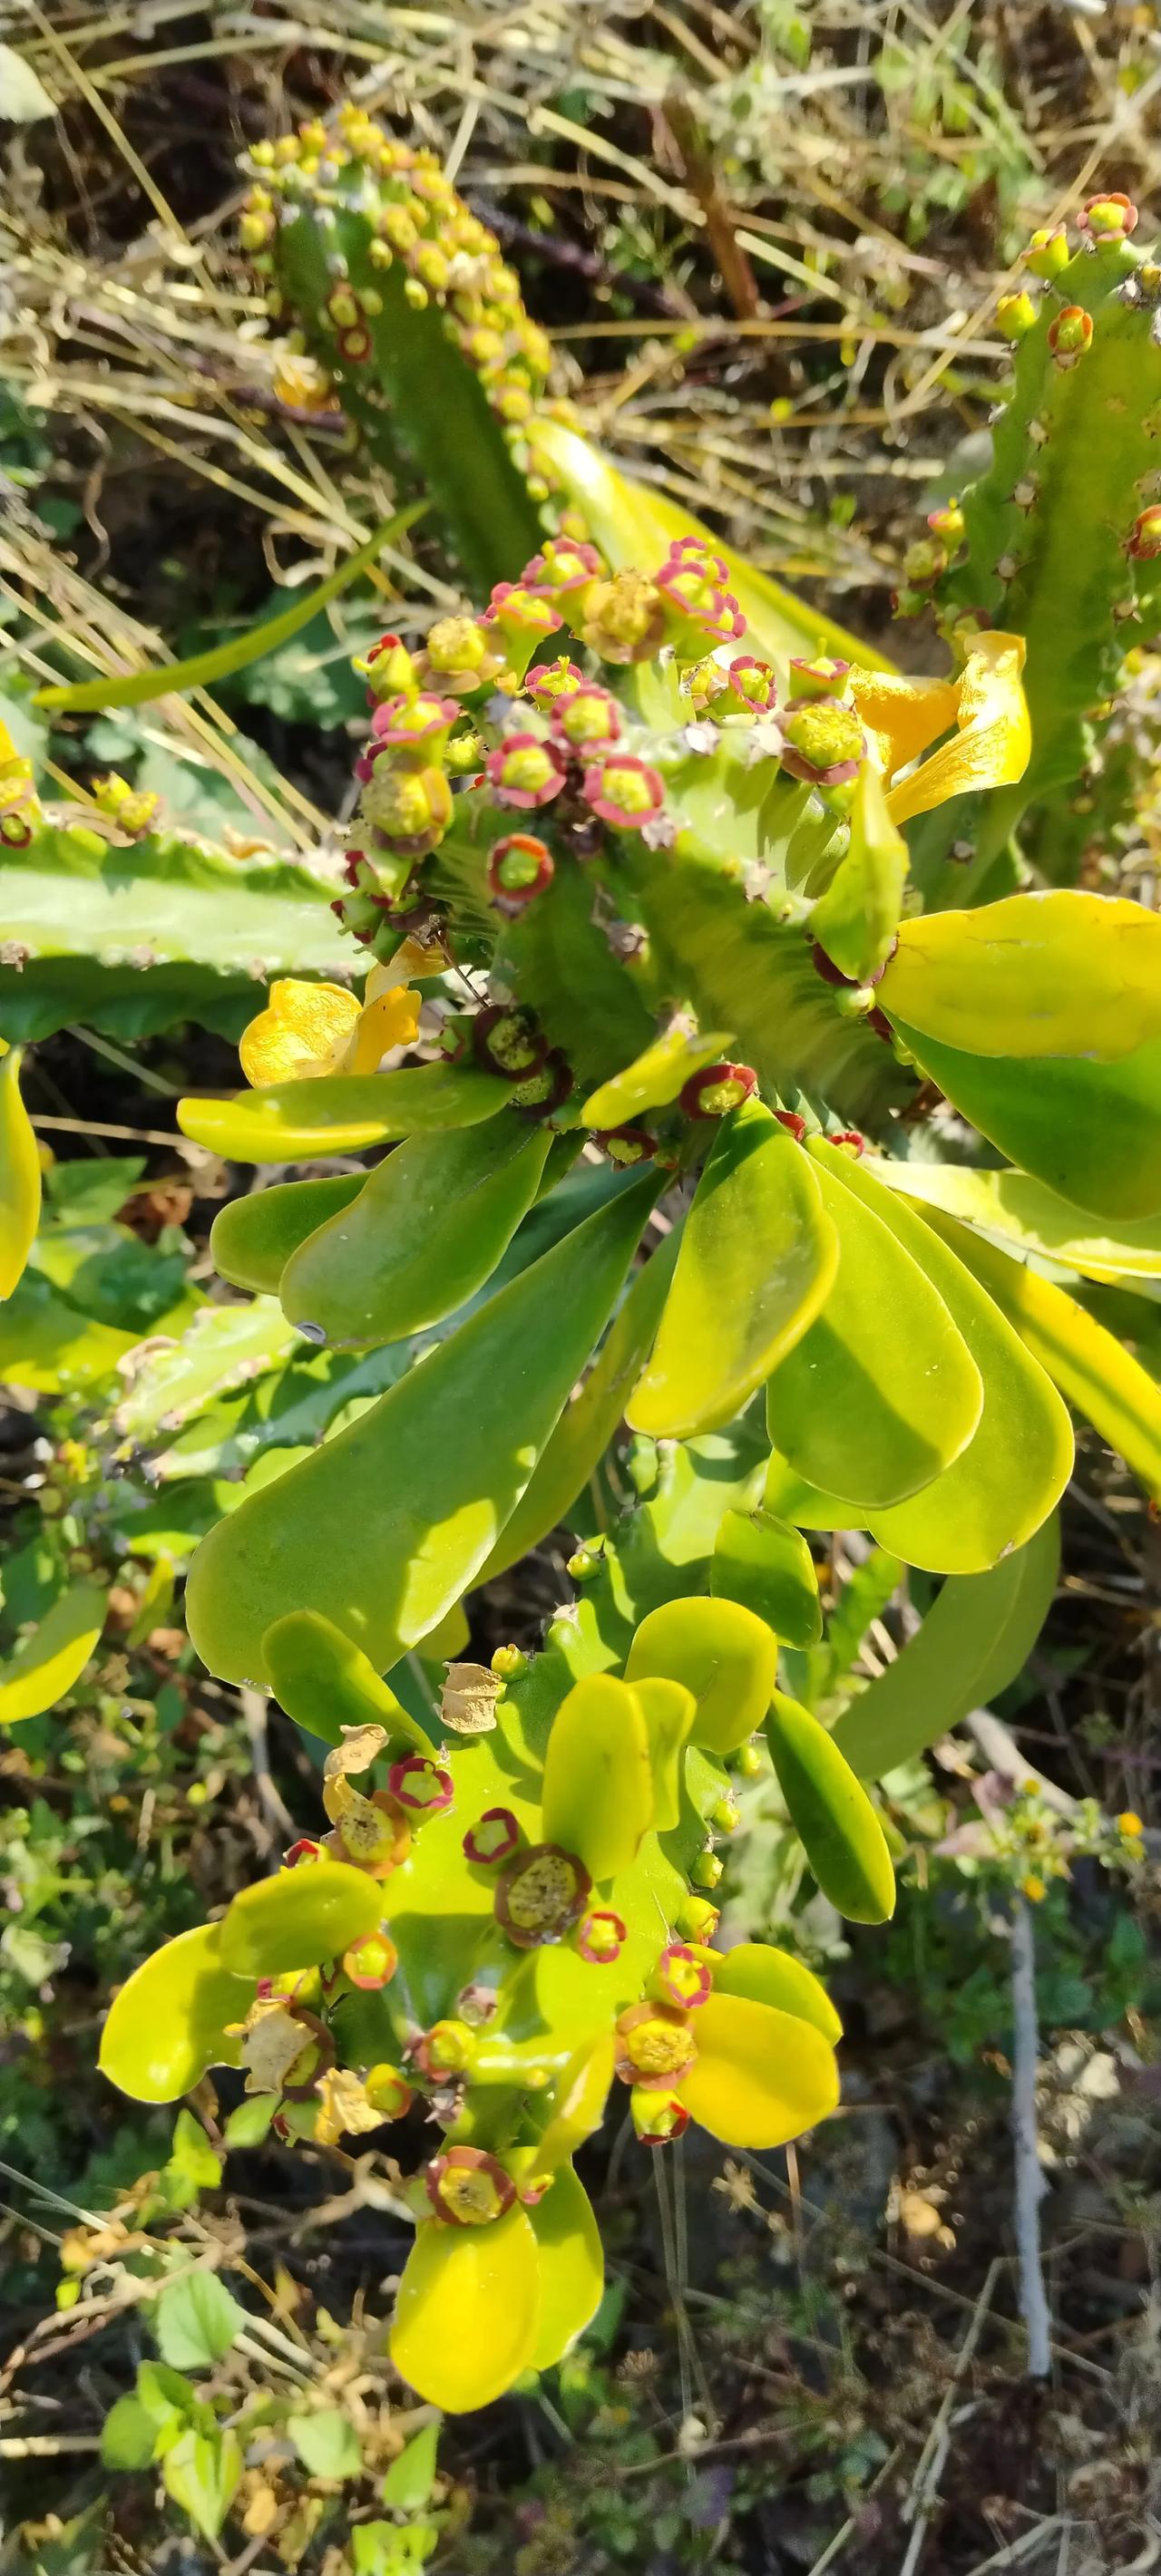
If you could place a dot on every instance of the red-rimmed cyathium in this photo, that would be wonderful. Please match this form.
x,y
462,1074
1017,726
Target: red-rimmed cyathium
x,y
585,718
601,1936
389,2092
626,1145
1111,217
371,1962
519,868
446,2050
420,1784
718,1088
525,771
563,564
467,2187
545,1090
402,723
821,741
493,1838
303,1850
790,1119
372,1833
822,678
624,791
655,2044
543,1892
508,1041
681,1978
658,2115
548,681
1070,334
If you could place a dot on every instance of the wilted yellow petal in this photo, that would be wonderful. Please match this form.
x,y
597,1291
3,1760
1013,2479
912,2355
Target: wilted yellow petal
x,y
760,2076
468,2311
302,1032
993,739
389,1018
902,716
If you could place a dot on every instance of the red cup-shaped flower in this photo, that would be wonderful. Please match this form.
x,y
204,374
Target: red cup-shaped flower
x,y
563,564
518,611
655,2044
718,1088
410,808
493,1838
519,868
753,681
624,791
507,1041
823,742
1070,334
371,1962
601,1937
389,2092
1111,217
681,1978
302,1851
1144,539
421,1784
586,718
545,1090
790,1119
822,678
546,682
402,723
525,772
468,2188
659,2116
543,1892
446,2050
627,1145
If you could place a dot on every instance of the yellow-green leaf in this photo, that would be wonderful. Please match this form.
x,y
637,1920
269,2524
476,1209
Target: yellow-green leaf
x,y
975,1639
669,1710
655,1078
855,921
298,1918
1087,1363
252,1239
325,1683
1055,972
385,1526
882,1392
768,1976
46,1664
1092,1132
1036,1219
597,1797
831,1814
467,2316
792,1498
340,1113
168,2023
760,2076
19,1174
1019,1458
758,1257
766,1564
720,1652
572,2267
426,1231
577,2106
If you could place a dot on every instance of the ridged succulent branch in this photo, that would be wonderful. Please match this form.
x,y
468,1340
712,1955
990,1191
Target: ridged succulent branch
x,y
1059,539
407,316
112,917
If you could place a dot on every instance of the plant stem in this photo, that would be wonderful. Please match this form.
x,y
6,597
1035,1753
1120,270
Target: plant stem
x,y
1030,2184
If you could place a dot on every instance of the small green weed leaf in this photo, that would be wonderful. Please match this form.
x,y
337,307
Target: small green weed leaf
x,y
831,1814
654,1078
250,2122
758,1256
760,2076
882,1392
425,1232
340,1113
128,2433
327,2443
201,2473
19,1169
325,1683
467,2316
1092,1132
766,1564
768,1976
253,1238
196,2321
409,2480
720,1652
168,2023
1019,1458
669,1711
48,1663
413,1496
193,2165
856,920
976,1637
572,2267
1053,973
597,1799
298,1918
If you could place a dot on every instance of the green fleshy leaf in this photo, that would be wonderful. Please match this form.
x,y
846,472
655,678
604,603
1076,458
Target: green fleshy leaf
x,y
48,1662
1053,973
19,1175
253,1238
857,918
654,1078
854,1407
426,1231
298,1918
976,1637
168,2023
831,1814
720,1652
669,1711
766,1564
1032,1218
325,1683
758,1257
1091,1132
413,1496
340,1113
1019,1458
597,1799
768,1976
572,2267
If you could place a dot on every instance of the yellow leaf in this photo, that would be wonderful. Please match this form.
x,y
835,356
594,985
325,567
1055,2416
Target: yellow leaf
x,y
468,2311
1054,973
19,1174
760,2076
